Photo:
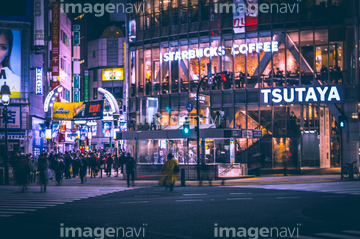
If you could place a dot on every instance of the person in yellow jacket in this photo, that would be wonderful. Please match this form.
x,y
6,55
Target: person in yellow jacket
x,y
169,171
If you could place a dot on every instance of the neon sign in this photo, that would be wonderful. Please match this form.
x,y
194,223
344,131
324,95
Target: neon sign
x,y
220,51
310,94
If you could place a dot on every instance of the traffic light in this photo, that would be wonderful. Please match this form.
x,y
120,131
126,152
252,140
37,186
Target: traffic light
x,y
222,77
341,122
186,128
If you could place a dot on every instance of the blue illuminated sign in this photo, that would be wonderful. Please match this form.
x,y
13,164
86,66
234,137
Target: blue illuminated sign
x,y
38,81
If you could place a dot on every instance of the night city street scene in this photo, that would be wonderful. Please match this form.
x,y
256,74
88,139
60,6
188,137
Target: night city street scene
x,y
179,119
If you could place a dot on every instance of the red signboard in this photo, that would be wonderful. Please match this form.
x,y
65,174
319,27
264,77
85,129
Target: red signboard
x,y
55,38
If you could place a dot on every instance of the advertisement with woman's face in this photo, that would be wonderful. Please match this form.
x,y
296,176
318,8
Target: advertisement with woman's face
x,y
10,60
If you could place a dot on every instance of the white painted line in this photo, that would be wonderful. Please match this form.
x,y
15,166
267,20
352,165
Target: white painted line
x,y
135,202
287,197
4,207
336,236
231,199
5,215
239,193
352,232
12,212
190,200
305,237
17,209
335,196
203,194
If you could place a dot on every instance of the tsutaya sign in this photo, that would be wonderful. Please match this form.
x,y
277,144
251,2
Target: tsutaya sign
x,y
220,51
310,94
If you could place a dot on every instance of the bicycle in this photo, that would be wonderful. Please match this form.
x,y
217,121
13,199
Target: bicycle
x,y
350,171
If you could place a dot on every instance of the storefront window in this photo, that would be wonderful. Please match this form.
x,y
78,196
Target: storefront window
x,y
204,60
156,69
293,119
266,120
165,72
240,70
174,72
307,52
252,61
240,118
174,12
227,59
159,151
194,14
222,148
165,117
194,70
279,119
215,62
176,147
133,73
148,72
209,151
140,74
192,152
174,118
184,70
336,62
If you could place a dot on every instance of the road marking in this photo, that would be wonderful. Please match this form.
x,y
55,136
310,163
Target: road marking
x,y
305,237
5,215
287,197
203,194
335,196
25,206
352,232
135,202
239,199
190,200
239,193
336,236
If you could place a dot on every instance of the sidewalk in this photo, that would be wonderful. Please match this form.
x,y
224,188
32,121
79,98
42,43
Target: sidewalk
x,y
119,181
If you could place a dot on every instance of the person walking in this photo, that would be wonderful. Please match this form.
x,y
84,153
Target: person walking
x,y
93,165
22,172
43,171
122,161
109,162
59,170
67,161
83,166
130,169
169,172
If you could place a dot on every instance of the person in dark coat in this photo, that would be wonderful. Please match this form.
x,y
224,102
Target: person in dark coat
x,y
22,172
67,161
59,170
43,171
130,169
83,166
109,162
122,161
93,165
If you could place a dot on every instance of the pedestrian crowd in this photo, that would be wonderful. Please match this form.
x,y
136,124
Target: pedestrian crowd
x,y
73,164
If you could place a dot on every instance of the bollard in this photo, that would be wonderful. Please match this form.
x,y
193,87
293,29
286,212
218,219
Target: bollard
x,y
101,172
1,176
182,177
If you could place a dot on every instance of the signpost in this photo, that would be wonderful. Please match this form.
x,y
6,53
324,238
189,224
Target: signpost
x,y
189,107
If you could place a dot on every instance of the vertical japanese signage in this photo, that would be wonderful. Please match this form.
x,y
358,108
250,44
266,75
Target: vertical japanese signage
x,y
76,62
55,38
86,85
38,81
39,23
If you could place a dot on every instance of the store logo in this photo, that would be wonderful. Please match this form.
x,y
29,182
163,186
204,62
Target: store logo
x,y
61,110
39,87
220,51
300,94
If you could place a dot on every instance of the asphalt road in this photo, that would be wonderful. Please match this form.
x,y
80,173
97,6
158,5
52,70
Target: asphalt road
x,y
316,210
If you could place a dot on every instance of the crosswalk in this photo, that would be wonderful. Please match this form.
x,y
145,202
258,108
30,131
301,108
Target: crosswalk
x,y
14,202
352,188
348,234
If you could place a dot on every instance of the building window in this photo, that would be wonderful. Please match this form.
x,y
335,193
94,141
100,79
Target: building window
x,y
95,75
95,94
94,54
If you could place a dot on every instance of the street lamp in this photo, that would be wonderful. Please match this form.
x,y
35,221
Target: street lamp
x,y
5,100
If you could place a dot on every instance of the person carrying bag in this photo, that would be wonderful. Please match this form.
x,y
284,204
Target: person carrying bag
x,y
169,172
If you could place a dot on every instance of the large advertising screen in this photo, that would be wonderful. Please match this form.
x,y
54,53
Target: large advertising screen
x,y
112,74
78,110
10,58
